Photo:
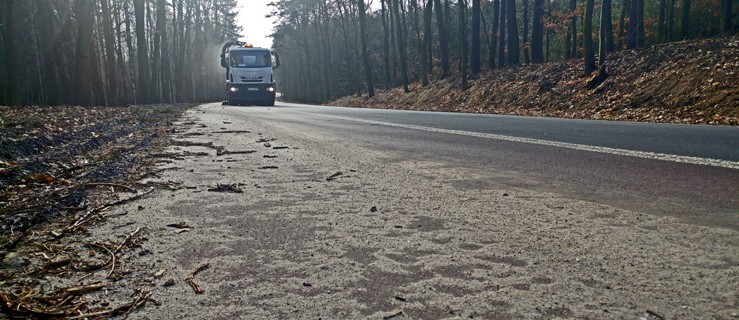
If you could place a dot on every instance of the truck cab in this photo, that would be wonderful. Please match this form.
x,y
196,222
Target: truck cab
x,y
249,74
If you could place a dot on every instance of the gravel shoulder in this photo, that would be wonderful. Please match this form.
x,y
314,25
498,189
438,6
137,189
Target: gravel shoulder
x,y
300,225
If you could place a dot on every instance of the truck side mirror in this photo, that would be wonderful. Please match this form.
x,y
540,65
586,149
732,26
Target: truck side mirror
x,y
277,60
223,61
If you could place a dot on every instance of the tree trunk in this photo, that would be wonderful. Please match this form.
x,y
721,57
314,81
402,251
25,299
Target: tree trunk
x,y
661,21
685,21
401,46
568,42
443,46
513,44
641,38
393,49
426,51
365,54
587,27
462,44
110,63
11,56
475,67
47,39
419,39
451,45
622,28
573,29
141,52
164,67
494,33
548,32
502,35
606,32
671,21
526,32
631,33
83,52
537,33
728,18
386,44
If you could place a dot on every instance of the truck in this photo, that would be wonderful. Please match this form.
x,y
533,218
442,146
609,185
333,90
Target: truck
x,y
249,74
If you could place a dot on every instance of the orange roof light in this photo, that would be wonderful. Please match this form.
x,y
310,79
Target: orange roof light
x,y
248,45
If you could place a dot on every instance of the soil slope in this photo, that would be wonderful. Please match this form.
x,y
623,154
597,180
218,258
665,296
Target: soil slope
x,y
680,82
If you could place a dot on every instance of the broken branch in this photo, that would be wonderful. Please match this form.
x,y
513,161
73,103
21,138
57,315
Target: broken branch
x,y
193,282
125,241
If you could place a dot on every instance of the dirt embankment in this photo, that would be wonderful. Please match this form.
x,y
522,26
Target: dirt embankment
x,y
681,82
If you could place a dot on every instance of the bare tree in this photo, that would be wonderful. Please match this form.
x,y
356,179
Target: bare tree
x,y
606,32
463,43
443,43
502,34
83,54
365,56
513,43
475,43
426,54
588,55
401,45
728,17
110,62
685,21
537,33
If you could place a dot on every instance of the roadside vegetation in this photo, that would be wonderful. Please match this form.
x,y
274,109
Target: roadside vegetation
x,y
692,82
623,60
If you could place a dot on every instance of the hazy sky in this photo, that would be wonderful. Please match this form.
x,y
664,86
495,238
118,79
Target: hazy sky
x,y
257,28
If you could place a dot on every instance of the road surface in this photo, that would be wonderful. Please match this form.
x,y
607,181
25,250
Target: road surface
x,y
308,212
695,175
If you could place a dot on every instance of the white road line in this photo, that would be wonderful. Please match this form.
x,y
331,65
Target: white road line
x,y
622,152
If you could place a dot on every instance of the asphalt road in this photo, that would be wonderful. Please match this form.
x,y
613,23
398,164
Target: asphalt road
x,y
687,171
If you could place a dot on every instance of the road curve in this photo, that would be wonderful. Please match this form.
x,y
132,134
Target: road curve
x,y
687,171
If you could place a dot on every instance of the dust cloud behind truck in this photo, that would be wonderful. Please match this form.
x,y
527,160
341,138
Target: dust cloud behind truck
x,y
249,74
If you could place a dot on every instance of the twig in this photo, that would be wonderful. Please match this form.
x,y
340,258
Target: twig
x,y
194,283
128,238
84,217
655,314
140,300
81,289
112,259
333,176
111,185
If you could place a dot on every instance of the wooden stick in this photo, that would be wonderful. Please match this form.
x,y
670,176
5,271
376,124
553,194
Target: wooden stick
x,y
84,217
112,260
112,185
85,288
128,238
655,314
193,282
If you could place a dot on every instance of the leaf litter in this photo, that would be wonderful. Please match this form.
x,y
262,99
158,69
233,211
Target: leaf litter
x,y
61,170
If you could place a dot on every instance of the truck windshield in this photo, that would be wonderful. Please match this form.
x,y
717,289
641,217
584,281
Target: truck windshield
x,y
250,59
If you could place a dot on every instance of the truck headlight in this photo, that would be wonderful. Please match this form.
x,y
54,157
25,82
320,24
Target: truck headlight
x,y
233,89
271,89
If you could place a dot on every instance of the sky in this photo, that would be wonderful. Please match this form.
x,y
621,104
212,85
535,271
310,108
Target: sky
x,y
257,28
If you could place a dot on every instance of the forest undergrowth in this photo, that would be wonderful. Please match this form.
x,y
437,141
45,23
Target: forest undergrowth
x,y
691,82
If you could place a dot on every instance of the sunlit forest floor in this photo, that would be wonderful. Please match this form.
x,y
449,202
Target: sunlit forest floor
x,y
694,82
